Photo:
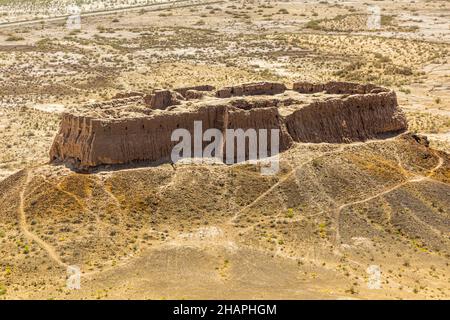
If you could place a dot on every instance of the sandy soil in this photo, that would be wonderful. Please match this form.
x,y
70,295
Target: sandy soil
x,y
46,69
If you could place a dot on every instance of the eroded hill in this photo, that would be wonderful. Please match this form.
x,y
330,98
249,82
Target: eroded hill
x,y
212,231
205,231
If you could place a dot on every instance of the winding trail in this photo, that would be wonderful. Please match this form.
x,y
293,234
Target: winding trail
x,y
55,257
281,181
294,170
84,204
24,228
113,198
338,210
415,178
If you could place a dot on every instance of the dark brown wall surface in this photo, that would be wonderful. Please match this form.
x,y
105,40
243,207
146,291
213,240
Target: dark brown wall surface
x,y
87,142
355,118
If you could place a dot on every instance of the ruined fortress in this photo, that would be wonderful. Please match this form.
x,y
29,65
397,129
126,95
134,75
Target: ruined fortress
x,y
135,127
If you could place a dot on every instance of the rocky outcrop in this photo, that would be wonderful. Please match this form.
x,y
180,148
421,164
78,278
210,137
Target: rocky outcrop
x,y
139,128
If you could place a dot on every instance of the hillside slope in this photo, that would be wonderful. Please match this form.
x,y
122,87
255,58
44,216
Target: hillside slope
x,y
215,231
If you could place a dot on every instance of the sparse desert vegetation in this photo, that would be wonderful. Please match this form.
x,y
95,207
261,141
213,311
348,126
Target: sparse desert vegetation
x,y
333,209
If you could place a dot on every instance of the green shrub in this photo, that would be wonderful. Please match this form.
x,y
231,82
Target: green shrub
x,y
2,290
313,24
14,38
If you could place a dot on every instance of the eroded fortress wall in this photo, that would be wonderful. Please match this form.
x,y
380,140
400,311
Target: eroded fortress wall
x,y
364,112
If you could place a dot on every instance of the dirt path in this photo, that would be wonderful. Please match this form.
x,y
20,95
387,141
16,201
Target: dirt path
x,y
293,171
412,179
24,228
114,200
84,205
415,178
281,181
159,7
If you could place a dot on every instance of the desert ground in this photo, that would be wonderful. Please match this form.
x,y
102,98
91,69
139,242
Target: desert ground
x,y
212,231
